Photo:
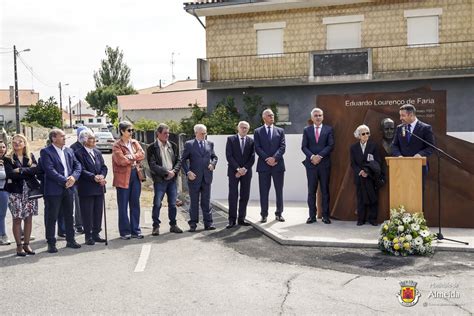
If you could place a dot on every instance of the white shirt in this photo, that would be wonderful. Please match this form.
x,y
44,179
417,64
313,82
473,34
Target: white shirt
x,y
90,151
412,125
60,152
166,158
129,146
362,146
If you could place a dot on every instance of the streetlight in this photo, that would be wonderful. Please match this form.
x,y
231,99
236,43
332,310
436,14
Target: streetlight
x,y
17,101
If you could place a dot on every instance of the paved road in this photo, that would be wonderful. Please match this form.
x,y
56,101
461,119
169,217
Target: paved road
x,y
237,271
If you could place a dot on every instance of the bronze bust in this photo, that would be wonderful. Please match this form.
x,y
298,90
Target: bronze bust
x,y
388,130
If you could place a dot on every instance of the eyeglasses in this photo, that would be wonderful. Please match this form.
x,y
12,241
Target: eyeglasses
x,y
366,133
130,130
318,115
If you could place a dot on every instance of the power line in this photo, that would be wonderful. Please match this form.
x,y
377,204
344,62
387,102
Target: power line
x,y
30,69
6,52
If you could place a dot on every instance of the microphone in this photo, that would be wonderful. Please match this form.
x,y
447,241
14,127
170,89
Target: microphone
x,y
403,131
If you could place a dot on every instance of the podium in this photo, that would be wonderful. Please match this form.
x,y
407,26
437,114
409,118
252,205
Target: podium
x,y
406,182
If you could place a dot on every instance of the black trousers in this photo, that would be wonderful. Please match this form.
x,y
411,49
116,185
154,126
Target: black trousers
x,y
91,211
53,206
365,211
234,197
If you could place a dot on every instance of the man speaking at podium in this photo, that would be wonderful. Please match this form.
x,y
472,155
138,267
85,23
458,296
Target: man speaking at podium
x,y
406,143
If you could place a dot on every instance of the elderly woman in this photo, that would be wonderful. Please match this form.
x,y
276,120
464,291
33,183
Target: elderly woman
x,y
3,195
21,169
366,162
127,155
91,186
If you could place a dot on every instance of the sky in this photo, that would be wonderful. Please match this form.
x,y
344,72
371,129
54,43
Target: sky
x,y
68,39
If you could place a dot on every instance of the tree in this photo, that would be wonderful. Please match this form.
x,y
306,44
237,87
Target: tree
x,y
112,79
45,113
113,70
197,115
253,107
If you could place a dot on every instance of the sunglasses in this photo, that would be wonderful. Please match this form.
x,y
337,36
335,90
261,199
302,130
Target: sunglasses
x,y
363,134
130,130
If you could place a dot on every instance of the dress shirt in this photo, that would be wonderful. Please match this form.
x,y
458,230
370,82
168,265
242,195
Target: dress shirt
x,y
165,151
362,146
62,156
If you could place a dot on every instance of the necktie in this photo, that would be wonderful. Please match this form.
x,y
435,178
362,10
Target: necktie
x,y
409,132
242,144
201,146
316,134
269,132
92,156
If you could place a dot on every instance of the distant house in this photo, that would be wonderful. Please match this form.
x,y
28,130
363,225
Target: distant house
x,y
169,103
7,104
82,113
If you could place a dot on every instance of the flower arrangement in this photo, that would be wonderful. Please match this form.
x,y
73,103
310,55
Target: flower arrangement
x,y
405,234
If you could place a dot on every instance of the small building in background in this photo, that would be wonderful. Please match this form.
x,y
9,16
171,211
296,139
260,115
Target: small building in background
x,y
26,97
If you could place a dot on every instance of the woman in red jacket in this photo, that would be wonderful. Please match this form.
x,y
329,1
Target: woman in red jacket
x,y
127,155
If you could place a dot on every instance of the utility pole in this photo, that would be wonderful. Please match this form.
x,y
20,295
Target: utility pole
x,y
80,112
61,104
17,101
70,113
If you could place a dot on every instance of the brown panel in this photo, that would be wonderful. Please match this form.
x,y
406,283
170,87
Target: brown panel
x,y
457,181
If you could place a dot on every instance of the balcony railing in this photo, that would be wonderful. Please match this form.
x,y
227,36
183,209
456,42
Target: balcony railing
x,y
453,59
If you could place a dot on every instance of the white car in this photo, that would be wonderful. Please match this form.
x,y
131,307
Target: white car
x,y
104,141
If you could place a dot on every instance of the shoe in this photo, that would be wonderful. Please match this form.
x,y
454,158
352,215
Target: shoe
x,y
126,237
73,245
230,225
192,229
263,219
5,241
243,223
156,231
210,228
326,220
97,238
28,250
311,220
90,242
20,253
175,229
360,223
80,230
279,218
373,223
139,236
52,248
62,235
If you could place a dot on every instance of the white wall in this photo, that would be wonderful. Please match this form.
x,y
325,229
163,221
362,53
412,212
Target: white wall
x,y
295,188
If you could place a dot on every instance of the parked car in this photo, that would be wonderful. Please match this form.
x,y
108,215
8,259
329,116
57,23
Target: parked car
x,y
104,141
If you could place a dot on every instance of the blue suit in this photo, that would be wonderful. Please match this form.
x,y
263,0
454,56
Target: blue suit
x,y
57,197
265,148
237,159
91,193
402,147
320,172
197,160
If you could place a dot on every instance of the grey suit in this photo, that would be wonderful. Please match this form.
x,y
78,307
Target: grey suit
x,y
197,160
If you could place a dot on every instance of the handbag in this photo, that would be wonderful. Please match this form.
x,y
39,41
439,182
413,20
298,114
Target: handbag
x,y
141,173
34,189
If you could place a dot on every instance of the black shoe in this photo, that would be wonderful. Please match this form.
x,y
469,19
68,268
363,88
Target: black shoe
x,y
139,236
192,229
360,223
97,238
63,235
311,220
373,223
230,225
90,242
279,218
73,245
52,248
326,220
263,219
210,228
80,230
242,223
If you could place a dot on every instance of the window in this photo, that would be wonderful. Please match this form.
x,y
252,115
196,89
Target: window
x,y
422,26
73,112
343,31
99,120
91,120
283,112
269,37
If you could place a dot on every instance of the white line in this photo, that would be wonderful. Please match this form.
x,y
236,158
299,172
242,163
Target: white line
x,y
141,264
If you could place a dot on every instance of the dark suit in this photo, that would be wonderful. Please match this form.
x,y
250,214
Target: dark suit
x,y
90,192
320,172
402,147
196,160
367,191
57,197
162,185
266,148
77,206
237,159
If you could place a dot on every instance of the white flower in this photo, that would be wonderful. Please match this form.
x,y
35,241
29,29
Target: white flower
x,y
415,227
406,219
408,237
401,228
418,241
424,233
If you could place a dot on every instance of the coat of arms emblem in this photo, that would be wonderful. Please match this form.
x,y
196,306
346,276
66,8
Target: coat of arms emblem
x,y
408,295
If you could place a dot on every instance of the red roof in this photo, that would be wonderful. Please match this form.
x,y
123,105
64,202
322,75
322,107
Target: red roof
x,y
162,100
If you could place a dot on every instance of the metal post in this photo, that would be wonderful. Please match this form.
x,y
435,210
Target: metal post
x,y
80,112
70,113
17,101
61,104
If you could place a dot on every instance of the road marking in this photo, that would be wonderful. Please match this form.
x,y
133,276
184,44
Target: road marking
x,y
142,260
